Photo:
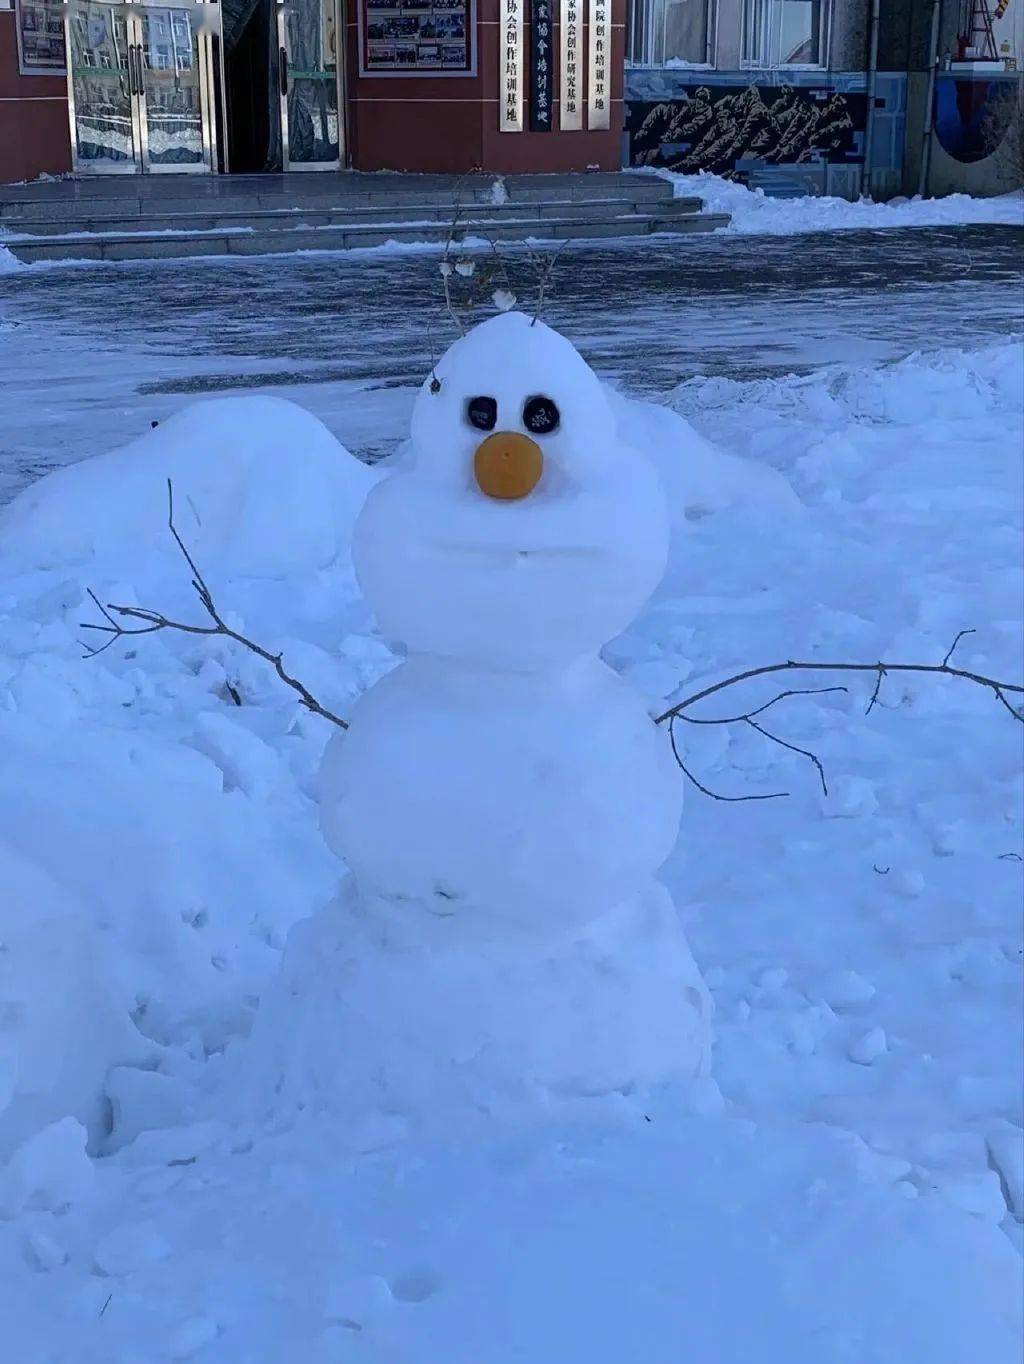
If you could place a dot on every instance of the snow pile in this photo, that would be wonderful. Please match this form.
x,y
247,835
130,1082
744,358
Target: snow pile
x,y
699,478
753,211
63,1028
847,1186
9,262
262,485
163,841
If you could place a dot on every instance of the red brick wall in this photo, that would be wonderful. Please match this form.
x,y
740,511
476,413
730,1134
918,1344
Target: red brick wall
x,y
394,122
451,124
34,133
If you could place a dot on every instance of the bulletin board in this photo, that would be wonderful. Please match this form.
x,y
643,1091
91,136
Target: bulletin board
x,y
417,37
40,27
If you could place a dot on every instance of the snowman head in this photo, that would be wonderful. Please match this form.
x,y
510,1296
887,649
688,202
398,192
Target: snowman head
x,y
519,531
514,407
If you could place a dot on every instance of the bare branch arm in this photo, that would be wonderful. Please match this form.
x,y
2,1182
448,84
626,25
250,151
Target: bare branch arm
x,y
791,665
678,711
155,620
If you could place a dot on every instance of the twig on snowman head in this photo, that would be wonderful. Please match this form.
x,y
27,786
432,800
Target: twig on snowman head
x,y
447,265
153,621
544,263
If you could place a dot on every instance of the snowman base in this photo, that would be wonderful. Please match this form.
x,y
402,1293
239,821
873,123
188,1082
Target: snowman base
x,y
365,1021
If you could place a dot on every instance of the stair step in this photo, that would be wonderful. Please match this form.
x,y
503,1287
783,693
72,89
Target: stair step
x,y
286,219
145,245
141,197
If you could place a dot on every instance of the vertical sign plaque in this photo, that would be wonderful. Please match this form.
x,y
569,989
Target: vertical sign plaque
x,y
541,66
572,66
598,83
511,98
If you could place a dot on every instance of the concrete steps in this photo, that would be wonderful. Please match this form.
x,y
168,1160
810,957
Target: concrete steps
x,y
258,215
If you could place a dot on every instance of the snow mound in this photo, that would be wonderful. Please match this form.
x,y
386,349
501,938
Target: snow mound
x,y
362,1025
261,487
9,263
155,881
754,212
699,479
821,431
944,385
59,1024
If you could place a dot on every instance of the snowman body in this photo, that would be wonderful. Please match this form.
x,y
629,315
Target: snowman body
x,y
502,799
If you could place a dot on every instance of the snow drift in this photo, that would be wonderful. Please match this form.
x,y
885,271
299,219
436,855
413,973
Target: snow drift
x,y
846,1190
263,488
753,211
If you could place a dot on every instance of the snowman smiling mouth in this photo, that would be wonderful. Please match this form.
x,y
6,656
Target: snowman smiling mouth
x,y
523,554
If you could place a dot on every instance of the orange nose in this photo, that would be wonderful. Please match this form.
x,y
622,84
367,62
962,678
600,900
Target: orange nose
x,y
508,465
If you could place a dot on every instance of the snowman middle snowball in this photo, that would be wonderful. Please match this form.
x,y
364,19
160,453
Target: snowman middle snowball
x,y
503,777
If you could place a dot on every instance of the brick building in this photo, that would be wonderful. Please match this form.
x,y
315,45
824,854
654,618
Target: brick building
x,y
796,96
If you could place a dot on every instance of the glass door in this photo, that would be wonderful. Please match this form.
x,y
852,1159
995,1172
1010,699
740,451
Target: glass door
x,y
140,86
105,134
174,78
312,135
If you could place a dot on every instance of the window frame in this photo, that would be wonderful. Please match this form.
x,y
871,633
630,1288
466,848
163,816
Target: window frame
x,y
646,61
773,8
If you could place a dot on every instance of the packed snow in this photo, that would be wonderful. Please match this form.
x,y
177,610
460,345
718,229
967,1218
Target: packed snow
x,y
753,211
844,1188
511,929
9,262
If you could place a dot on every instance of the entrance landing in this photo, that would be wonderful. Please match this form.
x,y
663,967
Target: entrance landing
x,y
146,217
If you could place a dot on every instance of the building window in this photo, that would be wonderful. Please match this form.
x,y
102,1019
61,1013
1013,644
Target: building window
x,y
40,27
785,32
670,32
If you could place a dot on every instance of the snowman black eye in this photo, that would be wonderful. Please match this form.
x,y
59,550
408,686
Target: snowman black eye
x,y
482,413
540,415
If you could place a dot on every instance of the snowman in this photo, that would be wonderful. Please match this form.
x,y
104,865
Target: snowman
x,y
502,799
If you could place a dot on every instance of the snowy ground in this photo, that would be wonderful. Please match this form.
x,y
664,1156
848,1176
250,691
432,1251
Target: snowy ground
x,y
349,335
849,1189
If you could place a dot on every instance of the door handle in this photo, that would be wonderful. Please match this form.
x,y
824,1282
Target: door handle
x,y
137,52
133,88
283,68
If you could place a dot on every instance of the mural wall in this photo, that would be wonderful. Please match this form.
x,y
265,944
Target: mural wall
x,y
973,116
786,133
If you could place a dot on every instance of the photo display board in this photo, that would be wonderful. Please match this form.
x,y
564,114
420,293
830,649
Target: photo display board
x,y
40,25
417,37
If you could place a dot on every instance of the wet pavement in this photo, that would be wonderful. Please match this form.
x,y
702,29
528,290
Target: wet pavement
x,y
90,354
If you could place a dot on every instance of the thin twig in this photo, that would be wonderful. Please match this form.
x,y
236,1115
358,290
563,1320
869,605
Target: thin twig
x,y
952,648
769,795
447,269
878,687
792,748
736,719
545,267
998,689
156,620
678,711
502,264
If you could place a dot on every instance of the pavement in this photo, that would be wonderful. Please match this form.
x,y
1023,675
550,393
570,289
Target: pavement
x,y
91,354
